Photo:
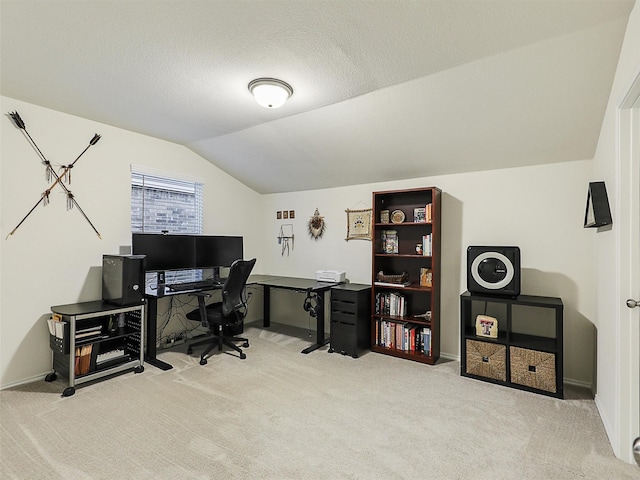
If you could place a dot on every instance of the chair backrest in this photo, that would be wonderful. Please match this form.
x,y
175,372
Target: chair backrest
x,y
233,298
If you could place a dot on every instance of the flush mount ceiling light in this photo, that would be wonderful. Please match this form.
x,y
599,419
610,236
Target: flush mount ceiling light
x,y
270,92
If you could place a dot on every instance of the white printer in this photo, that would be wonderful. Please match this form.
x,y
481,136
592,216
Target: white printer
x,y
336,276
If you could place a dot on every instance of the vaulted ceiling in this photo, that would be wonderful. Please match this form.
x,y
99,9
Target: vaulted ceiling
x,y
383,89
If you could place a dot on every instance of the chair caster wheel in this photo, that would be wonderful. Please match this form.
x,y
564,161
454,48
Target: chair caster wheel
x,y
203,361
189,351
51,377
245,344
242,356
331,350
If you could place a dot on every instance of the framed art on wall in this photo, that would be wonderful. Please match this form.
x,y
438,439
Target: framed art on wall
x,y
359,224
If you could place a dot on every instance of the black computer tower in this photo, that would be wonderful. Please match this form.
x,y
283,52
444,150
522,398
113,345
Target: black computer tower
x,y
123,279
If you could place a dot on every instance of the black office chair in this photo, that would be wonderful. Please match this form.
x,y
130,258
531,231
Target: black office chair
x,y
228,313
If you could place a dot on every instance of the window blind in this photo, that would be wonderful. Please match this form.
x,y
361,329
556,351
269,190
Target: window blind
x,y
164,203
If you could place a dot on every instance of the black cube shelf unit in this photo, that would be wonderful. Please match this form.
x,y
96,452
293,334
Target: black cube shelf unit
x,y
528,351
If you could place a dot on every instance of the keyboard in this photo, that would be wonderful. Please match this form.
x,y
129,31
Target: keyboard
x,y
179,287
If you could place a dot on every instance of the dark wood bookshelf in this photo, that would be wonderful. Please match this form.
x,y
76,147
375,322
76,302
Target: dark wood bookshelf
x,y
417,299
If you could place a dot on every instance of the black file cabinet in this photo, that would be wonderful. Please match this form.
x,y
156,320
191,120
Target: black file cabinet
x,y
350,319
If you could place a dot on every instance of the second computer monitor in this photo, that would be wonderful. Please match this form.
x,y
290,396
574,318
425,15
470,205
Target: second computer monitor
x,y
217,251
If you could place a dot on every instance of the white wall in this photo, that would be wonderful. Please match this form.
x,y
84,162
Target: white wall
x,y
539,208
55,257
606,167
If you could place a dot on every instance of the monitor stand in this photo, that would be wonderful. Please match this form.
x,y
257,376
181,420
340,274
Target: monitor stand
x,y
216,274
160,282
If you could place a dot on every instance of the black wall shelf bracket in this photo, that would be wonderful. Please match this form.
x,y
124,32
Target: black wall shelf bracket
x,y
597,213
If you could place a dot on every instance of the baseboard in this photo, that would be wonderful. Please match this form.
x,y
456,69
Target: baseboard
x,y
35,378
446,356
608,427
578,383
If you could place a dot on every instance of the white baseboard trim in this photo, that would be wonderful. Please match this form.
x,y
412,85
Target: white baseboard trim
x,y
35,378
446,356
608,427
578,383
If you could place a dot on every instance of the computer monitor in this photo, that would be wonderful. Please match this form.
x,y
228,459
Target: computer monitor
x,y
217,251
165,252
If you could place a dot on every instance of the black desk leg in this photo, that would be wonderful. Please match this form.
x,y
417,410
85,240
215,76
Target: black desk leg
x,y
152,327
266,306
320,340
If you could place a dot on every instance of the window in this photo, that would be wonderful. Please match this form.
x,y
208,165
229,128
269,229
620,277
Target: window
x,y
165,203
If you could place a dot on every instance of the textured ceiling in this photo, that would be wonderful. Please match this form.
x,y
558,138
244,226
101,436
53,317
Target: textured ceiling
x,y
383,89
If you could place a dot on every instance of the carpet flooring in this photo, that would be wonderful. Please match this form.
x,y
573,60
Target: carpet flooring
x,y
280,414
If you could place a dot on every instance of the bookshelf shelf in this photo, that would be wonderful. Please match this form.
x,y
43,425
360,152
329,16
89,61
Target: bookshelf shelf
x,y
91,340
397,255
412,247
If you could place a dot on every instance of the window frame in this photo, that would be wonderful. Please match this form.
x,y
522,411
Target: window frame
x,y
166,184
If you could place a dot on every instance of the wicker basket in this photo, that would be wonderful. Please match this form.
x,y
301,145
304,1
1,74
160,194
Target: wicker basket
x,y
533,368
402,278
487,360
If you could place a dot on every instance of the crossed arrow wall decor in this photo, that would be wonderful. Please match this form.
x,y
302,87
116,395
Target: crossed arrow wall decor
x,y
51,175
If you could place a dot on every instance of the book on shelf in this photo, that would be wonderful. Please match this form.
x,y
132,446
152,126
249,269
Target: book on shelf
x,y
89,329
390,303
90,337
428,213
427,245
390,284
404,336
426,341
90,332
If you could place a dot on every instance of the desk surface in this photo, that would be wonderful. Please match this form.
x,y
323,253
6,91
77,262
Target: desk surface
x,y
97,306
290,283
276,281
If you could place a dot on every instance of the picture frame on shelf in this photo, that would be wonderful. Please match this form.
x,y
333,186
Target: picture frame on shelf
x,y
390,241
486,326
426,277
397,216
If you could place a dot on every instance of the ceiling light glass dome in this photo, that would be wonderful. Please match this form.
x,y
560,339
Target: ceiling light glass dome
x,y
270,92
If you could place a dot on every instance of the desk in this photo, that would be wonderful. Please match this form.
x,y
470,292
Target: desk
x,y
302,285
152,295
268,282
